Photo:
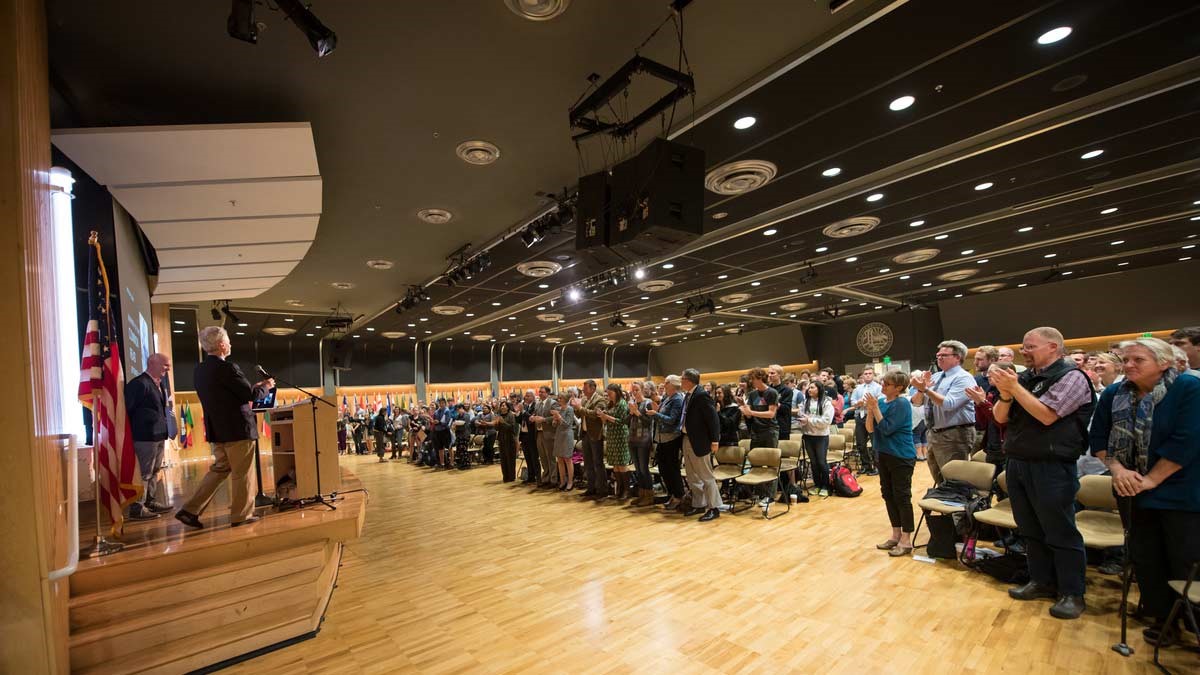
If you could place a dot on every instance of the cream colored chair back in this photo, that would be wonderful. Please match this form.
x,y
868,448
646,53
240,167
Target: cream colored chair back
x,y
979,456
978,474
731,455
1096,492
837,442
1002,480
789,449
744,444
764,458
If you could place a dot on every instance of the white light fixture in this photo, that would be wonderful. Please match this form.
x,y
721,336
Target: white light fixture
x,y
968,251
721,277
1189,246
1022,285
1186,257
885,270
852,259
981,261
822,249
1091,154
573,294
942,236
668,266
1027,228
831,172
794,290
180,323
770,232
916,223
543,286
905,277
1049,255
744,123
1111,209
1122,264
1116,243
983,186
927,284
1067,274
902,103
875,197
1054,35
639,273
756,283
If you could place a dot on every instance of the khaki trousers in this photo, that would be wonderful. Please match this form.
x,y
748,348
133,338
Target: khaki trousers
x,y
948,445
545,446
705,492
234,460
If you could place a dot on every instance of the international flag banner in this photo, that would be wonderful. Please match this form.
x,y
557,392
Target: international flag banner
x,y
344,403
184,432
102,389
389,404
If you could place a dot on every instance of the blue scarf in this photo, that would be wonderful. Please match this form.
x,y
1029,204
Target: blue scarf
x,y
1133,420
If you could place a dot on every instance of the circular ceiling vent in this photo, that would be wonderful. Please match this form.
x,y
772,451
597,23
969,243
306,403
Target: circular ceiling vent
x,y
851,227
537,10
539,268
733,331
447,310
918,256
632,322
549,318
958,275
741,177
342,285
655,285
380,264
435,216
734,298
793,306
481,337
988,288
279,330
393,334
477,152
1069,83
610,341
554,341
684,327
293,303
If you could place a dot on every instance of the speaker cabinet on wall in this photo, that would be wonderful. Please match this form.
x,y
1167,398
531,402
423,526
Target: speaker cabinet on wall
x,y
342,354
657,199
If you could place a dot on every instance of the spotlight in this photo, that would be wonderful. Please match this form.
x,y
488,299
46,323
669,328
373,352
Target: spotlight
x,y
323,40
241,24
617,321
639,273
216,313
574,294
529,237
229,313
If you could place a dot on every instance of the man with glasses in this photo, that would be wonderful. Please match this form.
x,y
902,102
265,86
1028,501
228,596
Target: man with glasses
x,y
949,412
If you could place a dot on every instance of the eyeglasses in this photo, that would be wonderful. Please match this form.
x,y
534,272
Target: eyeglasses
x,y
946,356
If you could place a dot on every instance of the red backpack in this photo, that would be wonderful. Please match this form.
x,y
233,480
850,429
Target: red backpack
x,y
843,482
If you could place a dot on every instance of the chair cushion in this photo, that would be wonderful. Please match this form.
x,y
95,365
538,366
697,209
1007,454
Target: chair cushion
x,y
726,472
1000,515
939,507
1100,529
788,464
1193,594
757,476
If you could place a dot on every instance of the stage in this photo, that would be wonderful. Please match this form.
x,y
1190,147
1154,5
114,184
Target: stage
x,y
175,599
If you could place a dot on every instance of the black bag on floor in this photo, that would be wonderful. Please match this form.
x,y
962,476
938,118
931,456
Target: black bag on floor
x,y
942,536
1009,568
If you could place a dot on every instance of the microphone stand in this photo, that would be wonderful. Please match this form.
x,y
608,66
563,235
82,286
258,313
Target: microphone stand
x,y
320,497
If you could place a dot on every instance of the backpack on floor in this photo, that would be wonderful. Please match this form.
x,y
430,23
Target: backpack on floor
x,y
843,482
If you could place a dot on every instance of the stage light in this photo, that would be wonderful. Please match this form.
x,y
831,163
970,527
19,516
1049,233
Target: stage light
x,y
323,40
639,274
241,24
530,237
216,313
574,294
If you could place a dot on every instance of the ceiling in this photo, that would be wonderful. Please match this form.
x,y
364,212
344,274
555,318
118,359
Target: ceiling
x,y
992,169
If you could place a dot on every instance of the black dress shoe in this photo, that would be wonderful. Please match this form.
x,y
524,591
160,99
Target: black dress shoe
x,y
189,519
711,514
248,521
693,511
1155,635
1032,591
1068,607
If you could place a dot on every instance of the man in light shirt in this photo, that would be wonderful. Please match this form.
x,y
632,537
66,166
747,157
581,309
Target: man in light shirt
x,y
859,404
949,412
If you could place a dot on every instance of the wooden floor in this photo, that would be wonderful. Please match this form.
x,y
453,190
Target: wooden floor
x,y
456,572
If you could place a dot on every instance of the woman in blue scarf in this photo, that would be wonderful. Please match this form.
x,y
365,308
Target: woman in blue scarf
x,y
1146,429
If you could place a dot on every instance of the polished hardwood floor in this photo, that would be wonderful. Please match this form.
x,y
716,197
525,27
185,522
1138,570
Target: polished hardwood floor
x,y
458,573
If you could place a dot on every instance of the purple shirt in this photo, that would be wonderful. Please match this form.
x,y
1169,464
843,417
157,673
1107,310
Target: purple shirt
x,y
1068,394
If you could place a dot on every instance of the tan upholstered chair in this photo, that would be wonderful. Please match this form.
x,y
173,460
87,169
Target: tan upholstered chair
x,y
763,474
978,474
789,452
1001,513
979,456
1099,522
731,463
837,449
744,444
1188,595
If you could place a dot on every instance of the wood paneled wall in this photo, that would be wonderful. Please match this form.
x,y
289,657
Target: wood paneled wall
x,y
33,612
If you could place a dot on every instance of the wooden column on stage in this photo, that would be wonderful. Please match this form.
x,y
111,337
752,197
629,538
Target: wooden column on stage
x,y
294,447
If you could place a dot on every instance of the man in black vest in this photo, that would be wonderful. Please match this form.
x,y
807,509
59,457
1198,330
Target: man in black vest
x,y
229,424
701,431
146,406
1047,409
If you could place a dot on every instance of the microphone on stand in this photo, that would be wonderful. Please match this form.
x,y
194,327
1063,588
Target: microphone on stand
x,y
262,373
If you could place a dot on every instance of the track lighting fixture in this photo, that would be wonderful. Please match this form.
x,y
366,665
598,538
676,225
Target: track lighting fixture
x,y
322,39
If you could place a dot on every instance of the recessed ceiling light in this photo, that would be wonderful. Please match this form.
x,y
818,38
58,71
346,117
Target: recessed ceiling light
x,y
1022,285
905,277
927,284
756,283
721,277
1116,243
424,318
1025,229
958,295
852,259
477,152
1194,218
1111,209
816,295
878,306
744,122
1186,257
243,325
1054,35
1049,255
831,172
1122,264
543,286
412,325
1067,273
176,331
981,261
1188,246
722,215
902,103
941,290
822,249
885,270
180,323
942,236
469,314
1091,153
308,335
984,186
793,290
916,223
371,328
968,251
668,266
645,297
770,233
239,333
875,197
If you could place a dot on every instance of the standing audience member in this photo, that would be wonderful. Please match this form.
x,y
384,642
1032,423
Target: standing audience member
x,y
1181,362
564,439
730,415
1108,369
225,395
815,417
949,413
1007,356
588,411
985,356
379,428
505,424
641,439
761,411
616,439
1147,431
485,420
1046,410
701,431
920,429
443,417
146,407
528,437
890,423
669,440
859,405
545,437
1188,339
783,414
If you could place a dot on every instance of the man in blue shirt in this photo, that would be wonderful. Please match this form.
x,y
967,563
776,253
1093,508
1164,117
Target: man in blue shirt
x,y
868,385
442,418
949,412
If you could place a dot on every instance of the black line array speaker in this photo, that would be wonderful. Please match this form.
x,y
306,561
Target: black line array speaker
x,y
592,222
342,354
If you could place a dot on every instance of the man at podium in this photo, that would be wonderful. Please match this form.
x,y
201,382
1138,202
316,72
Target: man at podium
x,y
225,395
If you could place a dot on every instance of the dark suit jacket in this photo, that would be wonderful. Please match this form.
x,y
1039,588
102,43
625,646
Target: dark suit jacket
x,y
226,395
146,408
701,422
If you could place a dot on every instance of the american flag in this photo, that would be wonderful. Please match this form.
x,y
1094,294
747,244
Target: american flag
x,y
102,389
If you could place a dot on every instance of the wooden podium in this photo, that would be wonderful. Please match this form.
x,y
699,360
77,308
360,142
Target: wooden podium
x,y
294,446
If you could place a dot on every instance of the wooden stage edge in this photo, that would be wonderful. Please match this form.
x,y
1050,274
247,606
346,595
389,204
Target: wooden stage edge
x,y
176,600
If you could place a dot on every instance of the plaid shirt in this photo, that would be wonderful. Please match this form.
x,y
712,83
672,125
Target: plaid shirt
x,y
1067,395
